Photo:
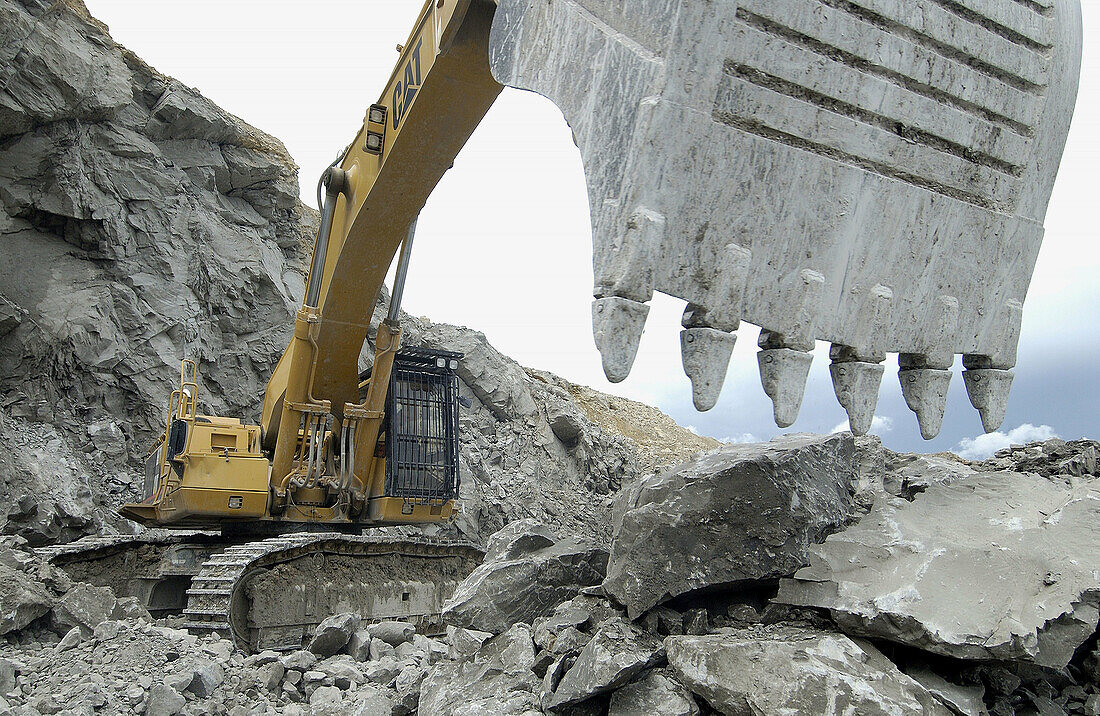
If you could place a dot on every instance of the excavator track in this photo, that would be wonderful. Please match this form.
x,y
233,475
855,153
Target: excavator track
x,y
270,594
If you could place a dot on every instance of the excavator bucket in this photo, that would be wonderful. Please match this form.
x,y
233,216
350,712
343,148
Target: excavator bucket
x,y
871,173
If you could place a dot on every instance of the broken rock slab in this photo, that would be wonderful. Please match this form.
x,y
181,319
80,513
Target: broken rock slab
x,y
496,681
996,566
22,600
524,576
737,514
615,654
780,670
655,693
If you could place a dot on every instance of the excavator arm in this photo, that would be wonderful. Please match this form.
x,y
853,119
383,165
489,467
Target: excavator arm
x,y
438,93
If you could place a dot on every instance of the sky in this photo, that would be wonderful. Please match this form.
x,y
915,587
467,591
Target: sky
x,y
504,243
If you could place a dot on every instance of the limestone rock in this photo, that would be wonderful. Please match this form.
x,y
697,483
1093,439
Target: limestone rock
x,y
909,474
656,693
83,606
995,566
517,539
164,701
465,642
741,513
496,681
391,632
21,600
772,671
333,634
521,581
616,653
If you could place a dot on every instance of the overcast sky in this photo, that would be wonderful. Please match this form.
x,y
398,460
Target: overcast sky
x,y
504,243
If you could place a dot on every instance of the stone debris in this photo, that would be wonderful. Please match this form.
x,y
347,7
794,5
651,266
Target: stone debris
x,y
526,572
333,634
741,513
787,670
657,693
993,566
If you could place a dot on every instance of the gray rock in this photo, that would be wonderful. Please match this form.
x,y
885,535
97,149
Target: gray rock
x,y
738,514
616,653
382,672
379,649
300,660
796,115
326,696
496,680
995,566
518,538
392,633
358,645
522,583
83,606
963,700
71,639
333,634
205,679
907,474
130,608
408,685
164,701
656,693
21,600
785,670
464,642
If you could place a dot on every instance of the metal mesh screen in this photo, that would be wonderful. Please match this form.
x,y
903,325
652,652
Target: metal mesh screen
x,y
422,426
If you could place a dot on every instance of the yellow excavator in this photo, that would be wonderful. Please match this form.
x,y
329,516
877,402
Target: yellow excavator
x,y
855,172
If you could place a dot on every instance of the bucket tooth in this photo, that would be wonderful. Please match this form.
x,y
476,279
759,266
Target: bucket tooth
x,y
617,325
925,392
783,373
988,389
856,384
706,354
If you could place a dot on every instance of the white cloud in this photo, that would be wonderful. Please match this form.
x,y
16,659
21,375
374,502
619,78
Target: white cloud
x,y
983,446
880,425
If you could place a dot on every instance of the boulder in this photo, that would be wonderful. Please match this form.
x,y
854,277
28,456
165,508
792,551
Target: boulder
x,y
773,671
496,681
300,660
656,693
616,653
518,538
735,515
965,700
464,642
21,600
392,633
999,566
164,701
333,634
520,582
908,474
83,606
358,645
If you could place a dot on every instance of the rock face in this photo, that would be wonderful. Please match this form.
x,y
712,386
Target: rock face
x,y
994,566
738,513
22,600
775,671
525,574
141,224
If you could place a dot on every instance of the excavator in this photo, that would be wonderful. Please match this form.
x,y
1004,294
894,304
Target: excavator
x,y
869,173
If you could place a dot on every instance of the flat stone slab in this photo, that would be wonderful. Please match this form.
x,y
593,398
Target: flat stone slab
x,y
994,566
777,671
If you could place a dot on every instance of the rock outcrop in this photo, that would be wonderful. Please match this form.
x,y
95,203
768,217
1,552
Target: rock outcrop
x,y
738,514
994,566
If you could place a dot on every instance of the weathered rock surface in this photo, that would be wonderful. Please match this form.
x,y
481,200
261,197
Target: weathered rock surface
x,y
772,671
496,680
738,513
525,574
657,693
22,600
333,634
994,566
617,652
